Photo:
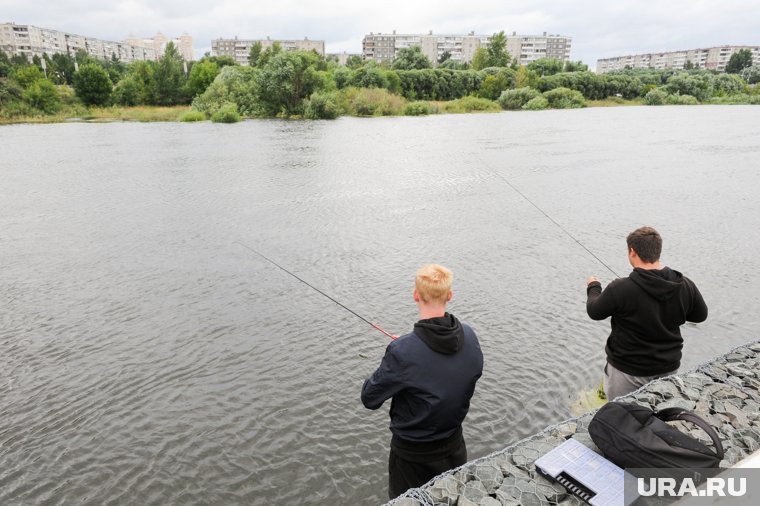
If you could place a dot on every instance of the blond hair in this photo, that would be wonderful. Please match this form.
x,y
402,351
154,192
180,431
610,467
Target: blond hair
x,y
433,283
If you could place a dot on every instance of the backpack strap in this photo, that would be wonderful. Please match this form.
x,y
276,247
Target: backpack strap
x,y
670,414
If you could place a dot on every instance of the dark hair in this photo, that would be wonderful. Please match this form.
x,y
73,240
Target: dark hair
x,y
647,244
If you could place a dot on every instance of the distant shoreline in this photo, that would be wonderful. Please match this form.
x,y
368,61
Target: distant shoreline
x,y
153,114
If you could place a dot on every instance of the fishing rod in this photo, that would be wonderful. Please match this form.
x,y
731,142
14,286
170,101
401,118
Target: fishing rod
x,y
317,290
547,216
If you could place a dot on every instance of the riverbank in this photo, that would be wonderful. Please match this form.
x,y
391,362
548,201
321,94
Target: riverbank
x,y
725,392
150,114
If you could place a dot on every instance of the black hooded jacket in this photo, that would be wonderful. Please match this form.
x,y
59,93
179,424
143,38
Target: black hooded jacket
x,y
430,373
647,309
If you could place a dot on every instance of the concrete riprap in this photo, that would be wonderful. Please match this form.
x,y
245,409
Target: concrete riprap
x,y
725,392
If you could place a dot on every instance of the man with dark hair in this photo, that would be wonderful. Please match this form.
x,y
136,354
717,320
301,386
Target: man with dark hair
x,y
430,374
647,309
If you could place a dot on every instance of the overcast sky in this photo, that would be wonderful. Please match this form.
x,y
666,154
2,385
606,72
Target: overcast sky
x,y
599,28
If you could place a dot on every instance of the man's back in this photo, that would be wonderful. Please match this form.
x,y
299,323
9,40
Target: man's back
x,y
647,310
431,375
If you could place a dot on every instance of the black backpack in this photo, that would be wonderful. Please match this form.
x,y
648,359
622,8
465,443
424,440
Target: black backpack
x,y
634,436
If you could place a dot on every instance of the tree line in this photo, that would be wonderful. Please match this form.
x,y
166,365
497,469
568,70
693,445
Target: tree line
x,y
279,83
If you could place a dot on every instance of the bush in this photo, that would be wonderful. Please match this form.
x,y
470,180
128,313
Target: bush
x,y
26,75
322,105
92,84
682,100
469,104
192,115
372,102
370,75
43,95
698,86
9,92
234,84
127,92
227,113
417,109
536,104
439,84
564,98
495,83
656,97
516,99
727,84
591,86
751,74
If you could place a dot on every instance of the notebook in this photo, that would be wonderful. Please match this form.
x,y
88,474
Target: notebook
x,y
585,474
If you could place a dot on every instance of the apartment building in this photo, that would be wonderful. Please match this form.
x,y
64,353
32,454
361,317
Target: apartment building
x,y
239,48
712,58
528,48
158,43
384,47
30,41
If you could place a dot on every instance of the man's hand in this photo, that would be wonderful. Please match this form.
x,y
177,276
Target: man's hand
x,y
591,279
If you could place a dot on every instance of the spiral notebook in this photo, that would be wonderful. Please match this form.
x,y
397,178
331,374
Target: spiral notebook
x,y
585,474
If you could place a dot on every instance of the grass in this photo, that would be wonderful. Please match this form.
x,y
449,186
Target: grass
x,y
613,102
138,113
104,114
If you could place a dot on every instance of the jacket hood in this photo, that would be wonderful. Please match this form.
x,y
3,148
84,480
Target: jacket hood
x,y
661,284
443,334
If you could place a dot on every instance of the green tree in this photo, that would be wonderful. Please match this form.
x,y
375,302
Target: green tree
x,y
201,76
525,77
269,53
751,74
254,54
26,75
445,56
479,59
18,60
546,66
497,51
370,75
5,64
286,81
92,84
127,92
493,85
63,68
354,61
170,77
221,61
575,66
688,65
452,65
143,75
411,58
697,86
43,95
739,61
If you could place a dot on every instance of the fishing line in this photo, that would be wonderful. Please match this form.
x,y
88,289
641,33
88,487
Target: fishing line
x,y
548,217
317,290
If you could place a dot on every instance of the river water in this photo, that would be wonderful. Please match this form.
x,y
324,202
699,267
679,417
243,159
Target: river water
x,y
148,357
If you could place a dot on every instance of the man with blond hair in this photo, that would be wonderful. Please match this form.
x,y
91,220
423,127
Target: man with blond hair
x,y
647,309
430,374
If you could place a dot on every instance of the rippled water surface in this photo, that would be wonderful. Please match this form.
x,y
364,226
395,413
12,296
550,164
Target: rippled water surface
x,y
148,357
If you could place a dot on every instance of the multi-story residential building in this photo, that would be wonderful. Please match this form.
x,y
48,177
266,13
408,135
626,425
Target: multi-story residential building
x,y
528,48
713,58
384,47
30,41
158,43
239,48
